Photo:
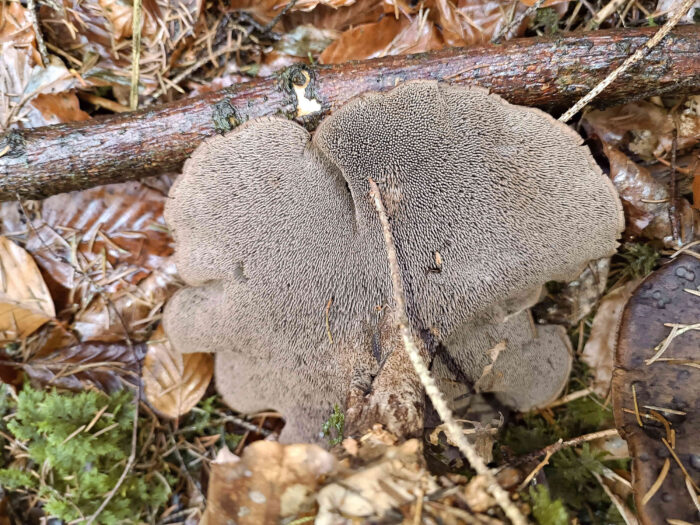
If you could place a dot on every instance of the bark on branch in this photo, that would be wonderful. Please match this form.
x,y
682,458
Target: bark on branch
x,y
550,72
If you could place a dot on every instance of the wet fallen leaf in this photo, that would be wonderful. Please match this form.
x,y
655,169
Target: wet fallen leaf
x,y
656,387
25,301
268,482
106,366
645,200
174,382
599,351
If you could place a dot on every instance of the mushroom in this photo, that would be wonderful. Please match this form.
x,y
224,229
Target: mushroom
x,y
286,265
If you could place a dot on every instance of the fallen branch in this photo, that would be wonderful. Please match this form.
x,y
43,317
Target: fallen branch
x,y
550,72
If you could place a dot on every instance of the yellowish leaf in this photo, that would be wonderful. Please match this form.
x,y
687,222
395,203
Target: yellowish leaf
x,y
25,301
173,382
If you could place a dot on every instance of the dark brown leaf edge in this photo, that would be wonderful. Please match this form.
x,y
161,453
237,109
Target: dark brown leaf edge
x,y
664,395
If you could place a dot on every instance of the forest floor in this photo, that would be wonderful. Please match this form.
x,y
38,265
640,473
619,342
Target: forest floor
x,y
80,270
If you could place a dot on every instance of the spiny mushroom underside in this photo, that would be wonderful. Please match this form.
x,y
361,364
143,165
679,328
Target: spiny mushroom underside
x,y
286,264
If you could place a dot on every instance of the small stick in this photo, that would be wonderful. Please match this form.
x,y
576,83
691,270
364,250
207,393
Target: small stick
x,y
135,54
454,431
573,396
536,470
517,21
272,23
673,190
559,445
630,61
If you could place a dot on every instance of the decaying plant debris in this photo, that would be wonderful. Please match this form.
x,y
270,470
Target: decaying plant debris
x,y
85,275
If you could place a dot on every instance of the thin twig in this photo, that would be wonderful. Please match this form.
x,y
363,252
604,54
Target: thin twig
x,y
630,61
559,445
536,470
272,23
517,21
135,54
31,13
673,190
453,429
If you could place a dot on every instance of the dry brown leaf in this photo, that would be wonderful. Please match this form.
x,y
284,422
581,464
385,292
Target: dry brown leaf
x,y
268,482
119,14
470,22
329,19
138,305
389,36
25,301
16,29
174,383
103,365
646,128
55,109
266,10
112,237
308,5
599,351
645,200
395,476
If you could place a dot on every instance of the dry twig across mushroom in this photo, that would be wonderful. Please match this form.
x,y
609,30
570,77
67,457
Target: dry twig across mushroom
x,y
487,202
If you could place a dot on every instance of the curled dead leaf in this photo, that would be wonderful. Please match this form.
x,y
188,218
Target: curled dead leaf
x,y
25,301
394,476
600,347
174,383
645,127
645,200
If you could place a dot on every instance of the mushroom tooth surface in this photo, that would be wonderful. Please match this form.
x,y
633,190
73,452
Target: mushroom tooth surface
x,y
277,239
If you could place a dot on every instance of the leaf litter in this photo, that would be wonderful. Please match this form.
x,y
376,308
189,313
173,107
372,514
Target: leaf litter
x,y
104,256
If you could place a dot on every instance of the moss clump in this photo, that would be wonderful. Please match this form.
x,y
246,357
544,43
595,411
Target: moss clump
x,y
544,510
332,429
76,458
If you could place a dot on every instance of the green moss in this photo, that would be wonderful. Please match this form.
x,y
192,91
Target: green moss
x,y
80,466
544,510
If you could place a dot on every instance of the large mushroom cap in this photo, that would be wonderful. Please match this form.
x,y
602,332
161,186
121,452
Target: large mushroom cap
x,y
487,202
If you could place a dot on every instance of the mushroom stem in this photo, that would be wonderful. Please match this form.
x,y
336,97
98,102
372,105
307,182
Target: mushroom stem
x,y
454,431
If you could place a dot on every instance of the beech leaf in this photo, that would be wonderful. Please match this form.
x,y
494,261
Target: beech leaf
x,y
25,301
173,382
